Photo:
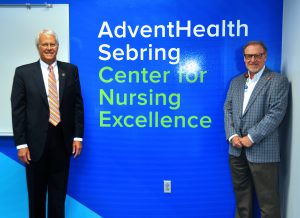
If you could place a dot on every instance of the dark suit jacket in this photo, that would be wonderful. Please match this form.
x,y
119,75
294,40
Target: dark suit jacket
x,y
30,109
263,114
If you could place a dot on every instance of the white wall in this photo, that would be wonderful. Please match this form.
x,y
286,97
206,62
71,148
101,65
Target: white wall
x,y
17,46
290,65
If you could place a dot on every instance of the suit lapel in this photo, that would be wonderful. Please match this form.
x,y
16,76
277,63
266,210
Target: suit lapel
x,y
240,94
260,84
62,81
38,77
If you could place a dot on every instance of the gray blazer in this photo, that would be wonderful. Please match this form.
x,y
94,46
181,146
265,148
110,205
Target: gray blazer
x,y
263,114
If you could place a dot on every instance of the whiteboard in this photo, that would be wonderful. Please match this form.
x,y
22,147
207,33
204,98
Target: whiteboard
x,y
19,27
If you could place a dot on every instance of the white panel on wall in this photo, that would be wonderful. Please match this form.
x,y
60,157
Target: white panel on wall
x,y
19,27
290,174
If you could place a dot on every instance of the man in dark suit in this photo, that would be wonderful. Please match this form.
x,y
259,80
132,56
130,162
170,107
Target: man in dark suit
x,y
254,108
47,115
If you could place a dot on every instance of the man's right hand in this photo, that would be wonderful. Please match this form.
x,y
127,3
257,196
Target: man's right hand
x,y
24,155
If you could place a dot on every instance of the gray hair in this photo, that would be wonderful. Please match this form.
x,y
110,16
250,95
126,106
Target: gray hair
x,y
46,32
256,43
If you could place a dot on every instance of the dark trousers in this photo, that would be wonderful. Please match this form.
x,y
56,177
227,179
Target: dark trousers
x,y
263,178
49,174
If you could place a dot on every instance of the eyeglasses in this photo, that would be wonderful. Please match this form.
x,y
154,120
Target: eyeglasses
x,y
46,45
256,56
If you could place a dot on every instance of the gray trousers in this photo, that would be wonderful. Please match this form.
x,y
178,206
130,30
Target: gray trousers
x,y
263,178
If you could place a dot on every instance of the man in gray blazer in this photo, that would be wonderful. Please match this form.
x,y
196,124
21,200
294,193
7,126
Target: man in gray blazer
x,y
255,105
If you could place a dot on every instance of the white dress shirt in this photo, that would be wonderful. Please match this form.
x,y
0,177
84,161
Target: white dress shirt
x,y
249,87
45,71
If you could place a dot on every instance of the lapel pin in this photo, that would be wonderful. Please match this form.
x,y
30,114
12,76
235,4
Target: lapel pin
x,y
270,77
63,74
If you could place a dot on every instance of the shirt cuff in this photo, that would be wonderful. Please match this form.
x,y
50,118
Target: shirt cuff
x,y
249,136
26,146
232,137
22,146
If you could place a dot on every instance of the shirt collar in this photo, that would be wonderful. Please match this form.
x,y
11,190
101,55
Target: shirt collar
x,y
257,75
45,65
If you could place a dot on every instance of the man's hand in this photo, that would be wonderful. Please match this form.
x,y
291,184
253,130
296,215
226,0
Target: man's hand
x,y
77,147
246,142
236,142
24,155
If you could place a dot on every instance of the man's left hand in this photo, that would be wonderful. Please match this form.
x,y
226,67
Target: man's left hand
x,y
77,147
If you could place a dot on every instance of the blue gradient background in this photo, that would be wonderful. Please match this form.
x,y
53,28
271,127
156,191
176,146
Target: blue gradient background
x,y
121,170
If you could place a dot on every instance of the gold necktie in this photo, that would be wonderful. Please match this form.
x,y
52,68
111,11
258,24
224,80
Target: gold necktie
x,y
53,98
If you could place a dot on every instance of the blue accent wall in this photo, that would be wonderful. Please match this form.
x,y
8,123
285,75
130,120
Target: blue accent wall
x,y
122,168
